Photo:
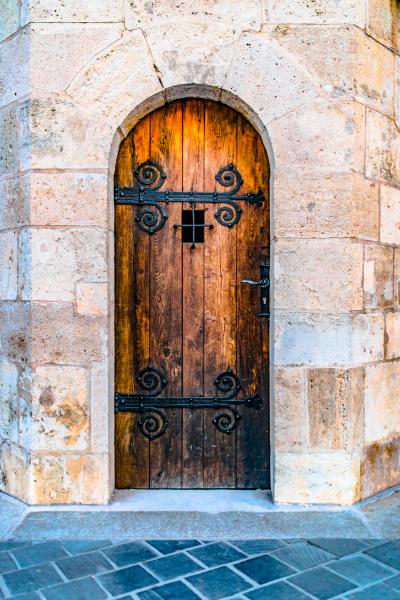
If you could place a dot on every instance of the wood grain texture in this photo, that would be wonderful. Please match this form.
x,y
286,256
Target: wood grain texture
x,y
183,309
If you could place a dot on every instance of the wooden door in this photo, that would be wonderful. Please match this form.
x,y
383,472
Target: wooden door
x,y
191,367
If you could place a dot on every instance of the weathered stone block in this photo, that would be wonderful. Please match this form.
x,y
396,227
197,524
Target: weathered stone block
x,y
14,331
9,265
60,135
9,17
14,67
390,215
318,275
290,412
397,277
243,14
382,415
318,11
118,79
303,139
72,47
54,260
91,298
14,471
392,335
383,148
397,86
59,337
72,11
9,138
380,466
8,401
316,477
378,276
382,20
335,408
101,421
267,78
14,202
328,340
354,65
332,206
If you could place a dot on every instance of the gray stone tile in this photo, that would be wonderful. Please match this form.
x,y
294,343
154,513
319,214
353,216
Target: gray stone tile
x,y
379,591
7,563
84,565
129,554
169,591
126,580
38,553
322,583
176,565
340,546
302,555
10,545
387,553
394,582
170,546
84,589
360,569
276,591
218,583
258,546
264,569
81,546
29,596
214,555
31,579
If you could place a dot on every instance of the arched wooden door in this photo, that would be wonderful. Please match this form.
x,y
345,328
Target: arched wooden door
x,y
191,367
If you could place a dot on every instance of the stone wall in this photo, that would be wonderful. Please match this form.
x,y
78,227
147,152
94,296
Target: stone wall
x,y
318,80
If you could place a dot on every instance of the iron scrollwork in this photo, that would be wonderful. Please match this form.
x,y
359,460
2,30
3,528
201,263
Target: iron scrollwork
x,y
154,422
152,216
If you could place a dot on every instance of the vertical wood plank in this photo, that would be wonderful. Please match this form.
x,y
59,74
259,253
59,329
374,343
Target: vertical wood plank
x,y
253,249
220,297
166,296
193,299
131,314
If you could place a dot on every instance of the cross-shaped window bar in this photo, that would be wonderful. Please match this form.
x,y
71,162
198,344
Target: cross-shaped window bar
x,y
193,226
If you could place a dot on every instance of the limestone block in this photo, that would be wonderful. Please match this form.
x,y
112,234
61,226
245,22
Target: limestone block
x,y
60,405
70,479
322,136
382,415
318,275
59,51
101,417
390,215
53,11
53,260
328,340
14,202
14,331
354,64
14,67
14,471
9,17
332,206
267,78
383,148
316,478
335,408
381,20
397,277
380,466
60,135
9,265
392,336
378,276
290,413
318,11
8,401
59,337
9,138
118,79
397,86
68,199
243,14
91,298
193,52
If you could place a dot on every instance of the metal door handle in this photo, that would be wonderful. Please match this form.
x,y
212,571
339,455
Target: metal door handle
x,y
263,284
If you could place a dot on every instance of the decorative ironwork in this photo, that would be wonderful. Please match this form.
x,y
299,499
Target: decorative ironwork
x,y
152,216
154,422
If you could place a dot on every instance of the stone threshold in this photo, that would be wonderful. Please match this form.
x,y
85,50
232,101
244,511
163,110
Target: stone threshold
x,y
202,514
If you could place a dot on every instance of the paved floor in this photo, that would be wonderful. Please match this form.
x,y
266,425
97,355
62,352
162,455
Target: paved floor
x,y
189,569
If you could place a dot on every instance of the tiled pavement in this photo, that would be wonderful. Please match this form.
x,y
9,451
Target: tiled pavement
x,y
190,569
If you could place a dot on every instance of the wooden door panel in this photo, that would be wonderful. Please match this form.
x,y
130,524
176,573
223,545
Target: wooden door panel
x,y
182,308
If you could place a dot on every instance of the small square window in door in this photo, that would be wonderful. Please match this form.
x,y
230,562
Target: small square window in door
x,y
193,226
